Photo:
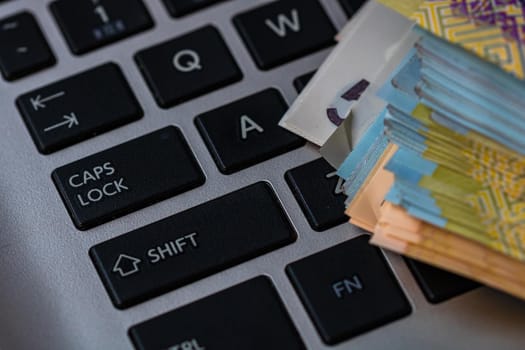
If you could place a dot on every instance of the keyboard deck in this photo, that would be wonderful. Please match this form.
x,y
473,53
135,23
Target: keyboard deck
x,y
148,198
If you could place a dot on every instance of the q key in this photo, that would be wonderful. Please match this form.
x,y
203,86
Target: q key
x,y
199,62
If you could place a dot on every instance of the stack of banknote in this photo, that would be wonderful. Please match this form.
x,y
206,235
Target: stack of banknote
x,y
432,147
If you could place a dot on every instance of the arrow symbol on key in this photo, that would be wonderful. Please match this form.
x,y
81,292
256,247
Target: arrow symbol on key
x,y
39,103
126,265
69,120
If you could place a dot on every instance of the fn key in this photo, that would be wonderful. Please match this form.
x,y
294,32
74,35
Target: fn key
x,y
348,289
249,315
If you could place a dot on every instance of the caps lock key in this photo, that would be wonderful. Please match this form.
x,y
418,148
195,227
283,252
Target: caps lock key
x,y
127,177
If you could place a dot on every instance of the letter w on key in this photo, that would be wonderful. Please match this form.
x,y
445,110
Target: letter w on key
x,y
284,22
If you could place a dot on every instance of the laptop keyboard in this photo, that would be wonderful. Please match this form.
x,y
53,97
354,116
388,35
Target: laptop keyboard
x,y
79,107
24,49
183,248
90,24
271,329
199,61
245,132
179,8
319,192
248,222
128,177
439,285
282,31
351,278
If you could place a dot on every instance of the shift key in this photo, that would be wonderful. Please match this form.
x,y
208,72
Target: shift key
x,y
193,244
127,177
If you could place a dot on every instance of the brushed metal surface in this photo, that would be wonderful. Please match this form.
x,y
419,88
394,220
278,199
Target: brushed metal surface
x,y
50,294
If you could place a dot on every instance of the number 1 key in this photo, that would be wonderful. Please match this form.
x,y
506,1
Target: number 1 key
x,y
90,24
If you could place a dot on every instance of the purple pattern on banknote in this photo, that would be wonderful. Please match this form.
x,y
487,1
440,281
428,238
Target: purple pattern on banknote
x,y
356,91
350,95
495,13
334,117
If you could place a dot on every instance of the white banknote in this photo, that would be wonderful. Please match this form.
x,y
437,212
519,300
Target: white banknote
x,y
367,43
371,104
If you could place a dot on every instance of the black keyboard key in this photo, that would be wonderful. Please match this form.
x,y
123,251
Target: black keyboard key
x,y
179,8
320,194
352,6
90,24
282,31
348,289
245,132
249,315
192,244
78,107
439,285
188,66
23,48
301,82
127,177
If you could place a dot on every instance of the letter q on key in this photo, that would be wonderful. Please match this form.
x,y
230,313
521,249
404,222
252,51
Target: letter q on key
x,y
187,61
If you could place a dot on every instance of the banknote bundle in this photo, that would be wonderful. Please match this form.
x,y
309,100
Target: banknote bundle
x,y
432,150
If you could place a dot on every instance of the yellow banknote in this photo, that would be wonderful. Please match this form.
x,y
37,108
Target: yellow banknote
x,y
363,210
407,8
478,185
399,232
492,30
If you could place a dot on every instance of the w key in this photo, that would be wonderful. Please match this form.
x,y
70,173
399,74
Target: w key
x,y
282,31
78,107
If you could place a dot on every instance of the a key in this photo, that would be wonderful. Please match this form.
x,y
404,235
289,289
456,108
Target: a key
x,y
188,66
348,289
300,82
245,132
191,245
78,107
179,8
319,192
352,6
282,31
90,24
249,315
23,48
127,177
438,285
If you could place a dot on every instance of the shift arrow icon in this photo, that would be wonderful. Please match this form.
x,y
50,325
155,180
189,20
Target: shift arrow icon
x,y
39,102
70,121
126,265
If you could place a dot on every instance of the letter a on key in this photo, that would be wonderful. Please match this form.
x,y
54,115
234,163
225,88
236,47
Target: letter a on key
x,y
284,22
248,125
